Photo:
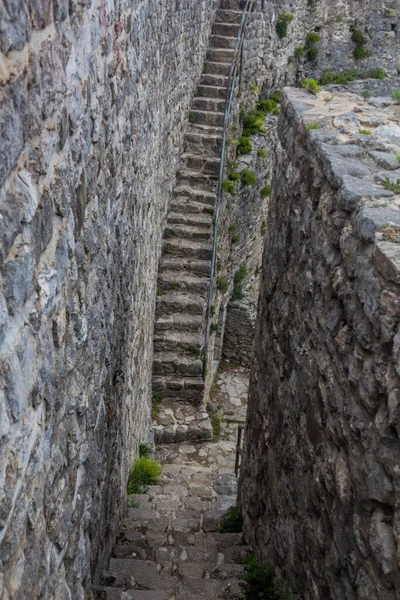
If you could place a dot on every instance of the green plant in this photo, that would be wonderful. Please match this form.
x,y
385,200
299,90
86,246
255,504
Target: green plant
x,y
178,173
235,238
231,521
262,583
192,117
222,284
276,96
244,146
253,122
263,227
267,105
299,52
261,153
313,125
248,178
265,191
215,424
393,186
364,131
376,73
229,186
144,450
398,157
134,502
155,410
360,51
312,38
396,95
214,327
233,175
390,12
350,75
212,310
366,94
159,292
169,233
196,94
283,23
145,472
240,275
311,85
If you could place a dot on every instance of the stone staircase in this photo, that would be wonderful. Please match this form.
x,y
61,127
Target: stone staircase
x,y
169,547
185,264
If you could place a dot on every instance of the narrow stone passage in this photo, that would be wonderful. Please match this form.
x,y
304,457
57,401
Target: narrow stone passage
x,y
169,547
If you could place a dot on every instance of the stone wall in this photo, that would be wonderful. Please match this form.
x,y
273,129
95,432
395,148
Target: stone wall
x,y
320,479
94,100
269,60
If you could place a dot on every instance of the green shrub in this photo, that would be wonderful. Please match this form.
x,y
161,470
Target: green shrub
x,y
238,278
145,472
365,131
214,327
346,76
283,23
222,284
361,52
261,153
229,186
311,85
390,12
276,96
244,146
376,73
299,52
215,424
144,450
231,521
312,38
391,186
313,125
262,583
253,122
267,105
248,177
265,191
192,117
155,410
358,37
396,95
398,157
311,51
233,175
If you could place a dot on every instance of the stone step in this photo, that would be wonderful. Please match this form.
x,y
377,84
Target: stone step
x,y
213,79
207,165
189,232
182,364
200,220
110,593
211,104
208,145
184,204
176,341
187,248
145,573
190,389
223,41
182,265
221,55
185,190
189,178
219,68
170,281
225,29
229,15
207,117
233,4
210,91
179,322
168,304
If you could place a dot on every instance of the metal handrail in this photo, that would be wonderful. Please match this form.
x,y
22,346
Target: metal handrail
x,y
228,110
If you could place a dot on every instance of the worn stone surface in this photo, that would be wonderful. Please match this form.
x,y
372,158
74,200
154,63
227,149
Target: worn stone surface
x,y
94,102
169,546
320,480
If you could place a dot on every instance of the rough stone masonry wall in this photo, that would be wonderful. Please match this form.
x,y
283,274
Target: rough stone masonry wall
x,y
94,99
320,481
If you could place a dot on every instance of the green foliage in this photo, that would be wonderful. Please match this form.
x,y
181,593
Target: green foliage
x,y
267,105
159,292
196,94
262,583
265,191
229,186
238,278
276,96
391,186
235,239
313,125
311,51
215,424
283,23
231,521
311,85
145,472
376,73
391,12
248,177
299,52
244,146
155,410
360,51
396,95
178,173
351,75
261,153
365,131
212,310
233,175
264,227
398,157
222,284
192,117
253,122
214,327
144,450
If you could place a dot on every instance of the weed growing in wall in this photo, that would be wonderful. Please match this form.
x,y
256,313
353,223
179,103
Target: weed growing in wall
x,y
262,583
265,191
310,47
222,284
359,39
396,95
398,158
155,411
392,186
144,450
351,75
248,178
244,145
231,521
229,186
145,472
364,131
299,52
311,85
233,175
192,117
253,122
261,153
239,277
283,23
313,125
